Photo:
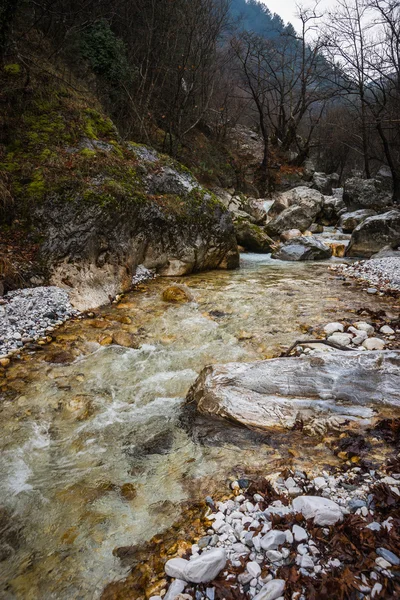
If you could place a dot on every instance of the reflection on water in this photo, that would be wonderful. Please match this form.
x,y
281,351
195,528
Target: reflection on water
x,y
99,454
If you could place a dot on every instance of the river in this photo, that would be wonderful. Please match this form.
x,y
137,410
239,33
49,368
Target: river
x,y
96,451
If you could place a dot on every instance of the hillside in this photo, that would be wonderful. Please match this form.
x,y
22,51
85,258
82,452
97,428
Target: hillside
x,y
90,206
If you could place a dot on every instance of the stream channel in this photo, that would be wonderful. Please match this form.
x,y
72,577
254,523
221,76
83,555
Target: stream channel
x,y
96,451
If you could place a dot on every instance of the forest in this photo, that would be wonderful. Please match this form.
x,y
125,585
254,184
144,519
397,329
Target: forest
x,y
162,69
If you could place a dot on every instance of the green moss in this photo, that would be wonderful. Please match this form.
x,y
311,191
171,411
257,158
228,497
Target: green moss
x,y
37,187
87,153
117,149
12,69
97,126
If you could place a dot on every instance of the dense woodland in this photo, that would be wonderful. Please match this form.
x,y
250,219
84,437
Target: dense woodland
x,y
329,90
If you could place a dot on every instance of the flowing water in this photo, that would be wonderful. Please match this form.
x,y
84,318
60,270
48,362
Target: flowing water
x,y
97,452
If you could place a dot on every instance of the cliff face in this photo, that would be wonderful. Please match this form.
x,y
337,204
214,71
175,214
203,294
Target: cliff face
x,y
99,206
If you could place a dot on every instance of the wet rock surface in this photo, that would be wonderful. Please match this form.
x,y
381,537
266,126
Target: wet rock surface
x,y
279,392
303,248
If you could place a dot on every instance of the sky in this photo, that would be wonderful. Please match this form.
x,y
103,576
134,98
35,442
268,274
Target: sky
x,y
287,8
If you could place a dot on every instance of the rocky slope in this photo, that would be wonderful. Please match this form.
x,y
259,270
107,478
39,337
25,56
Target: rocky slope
x,y
98,206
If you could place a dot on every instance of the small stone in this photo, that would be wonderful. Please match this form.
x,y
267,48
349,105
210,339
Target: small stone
x,y
271,591
356,503
4,362
320,483
331,328
175,567
243,483
373,343
381,562
372,291
376,590
273,539
343,339
299,533
204,541
306,562
235,485
374,526
388,556
386,330
289,536
205,567
322,510
253,568
363,326
175,589
274,555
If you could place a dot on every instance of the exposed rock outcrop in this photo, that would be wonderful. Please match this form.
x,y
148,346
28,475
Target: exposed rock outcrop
x,y
278,392
303,248
375,233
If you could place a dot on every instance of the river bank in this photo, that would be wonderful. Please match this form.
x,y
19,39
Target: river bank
x,y
96,447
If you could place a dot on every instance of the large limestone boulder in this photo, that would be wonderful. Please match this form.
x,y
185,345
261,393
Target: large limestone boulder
x,y
303,248
302,206
375,233
350,220
252,237
276,393
366,193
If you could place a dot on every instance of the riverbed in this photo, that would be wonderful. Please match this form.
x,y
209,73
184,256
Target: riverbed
x,y
98,451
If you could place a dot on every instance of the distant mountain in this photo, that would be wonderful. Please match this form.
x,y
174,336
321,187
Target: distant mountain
x,y
255,16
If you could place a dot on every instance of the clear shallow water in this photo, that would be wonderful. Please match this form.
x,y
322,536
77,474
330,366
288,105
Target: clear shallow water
x,y
99,454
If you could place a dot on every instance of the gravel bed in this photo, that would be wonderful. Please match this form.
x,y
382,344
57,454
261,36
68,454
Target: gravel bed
x,y
29,314
297,537
382,273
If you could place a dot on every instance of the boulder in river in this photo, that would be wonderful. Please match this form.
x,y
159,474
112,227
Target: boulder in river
x,y
303,248
350,220
274,394
252,237
375,233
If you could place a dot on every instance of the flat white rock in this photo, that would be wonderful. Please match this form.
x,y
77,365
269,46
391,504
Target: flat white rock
x,y
322,510
271,591
331,328
373,343
344,339
206,567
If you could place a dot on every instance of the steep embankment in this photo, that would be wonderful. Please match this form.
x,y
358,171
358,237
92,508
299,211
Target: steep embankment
x,y
93,206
